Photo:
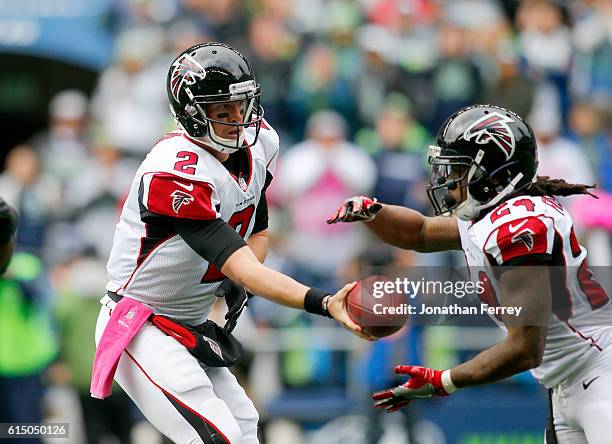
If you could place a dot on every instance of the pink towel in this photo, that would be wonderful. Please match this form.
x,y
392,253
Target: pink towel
x,y
593,213
126,320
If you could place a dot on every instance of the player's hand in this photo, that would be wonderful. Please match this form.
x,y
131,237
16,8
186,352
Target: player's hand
x,y
356,208
8,222
236,298
336,306
423,383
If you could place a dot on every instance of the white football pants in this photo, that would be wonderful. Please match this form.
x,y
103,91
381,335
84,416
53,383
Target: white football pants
x,y
582,405
185,402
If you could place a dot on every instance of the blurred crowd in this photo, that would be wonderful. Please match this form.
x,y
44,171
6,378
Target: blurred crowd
x,y
357,91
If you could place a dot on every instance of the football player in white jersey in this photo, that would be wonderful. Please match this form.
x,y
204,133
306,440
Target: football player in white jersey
x,y
197,213
490,203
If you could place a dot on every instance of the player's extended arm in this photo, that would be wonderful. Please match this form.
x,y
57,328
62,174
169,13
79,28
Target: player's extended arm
x,y
408,229
399,226
220,245
522,349
244,268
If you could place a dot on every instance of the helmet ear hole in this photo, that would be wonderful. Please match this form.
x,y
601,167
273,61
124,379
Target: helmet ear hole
x,y
480,193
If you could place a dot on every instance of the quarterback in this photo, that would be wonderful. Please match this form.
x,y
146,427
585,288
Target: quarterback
x,y
196,217
490,204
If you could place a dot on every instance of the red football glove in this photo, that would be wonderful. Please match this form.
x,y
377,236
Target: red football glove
x,y
423,383
356,208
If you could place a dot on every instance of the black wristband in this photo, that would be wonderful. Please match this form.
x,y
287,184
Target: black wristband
x,y
313,302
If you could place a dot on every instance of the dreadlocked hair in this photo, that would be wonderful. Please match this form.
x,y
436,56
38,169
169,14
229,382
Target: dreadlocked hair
x,y
545,186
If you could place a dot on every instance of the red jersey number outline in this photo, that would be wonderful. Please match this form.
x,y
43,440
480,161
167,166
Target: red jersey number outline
x,y
239,221
186,162
503,209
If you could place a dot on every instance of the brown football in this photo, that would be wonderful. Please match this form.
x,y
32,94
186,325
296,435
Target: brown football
x,y
380,313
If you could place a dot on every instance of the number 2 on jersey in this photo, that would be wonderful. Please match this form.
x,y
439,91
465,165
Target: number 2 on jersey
x,y
187,159
240,222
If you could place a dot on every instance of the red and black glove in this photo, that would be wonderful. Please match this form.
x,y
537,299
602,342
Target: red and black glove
x,y
423,383
356,208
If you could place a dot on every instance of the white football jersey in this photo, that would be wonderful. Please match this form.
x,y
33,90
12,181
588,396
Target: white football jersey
x,y
149,261
527,227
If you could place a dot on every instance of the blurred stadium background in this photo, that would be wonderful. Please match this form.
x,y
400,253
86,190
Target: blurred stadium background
x,y
356,90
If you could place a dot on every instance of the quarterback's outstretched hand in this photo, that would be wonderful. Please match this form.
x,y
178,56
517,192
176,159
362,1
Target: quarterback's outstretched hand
x,y
356,208
423,383
236,299
336,306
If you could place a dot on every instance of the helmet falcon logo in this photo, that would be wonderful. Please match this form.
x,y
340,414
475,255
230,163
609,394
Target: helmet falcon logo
x,y
185,71
525,237
180,198
494,128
